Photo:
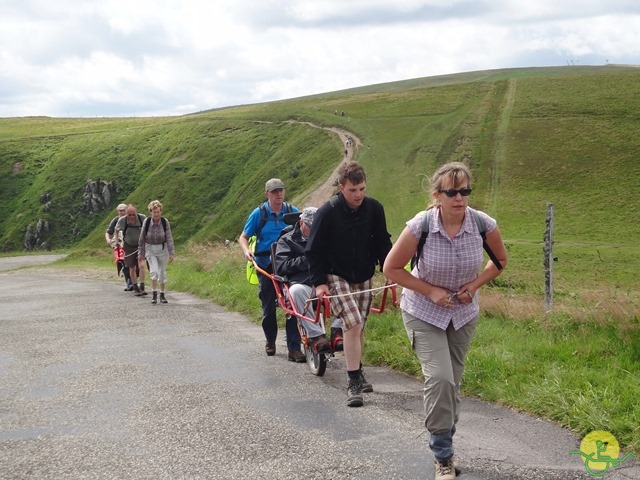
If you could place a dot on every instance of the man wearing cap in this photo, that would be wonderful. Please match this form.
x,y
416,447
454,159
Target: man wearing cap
x,y
291,262
113,241
266,223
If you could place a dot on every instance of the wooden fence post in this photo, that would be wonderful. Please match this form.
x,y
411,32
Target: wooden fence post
x,y
548,260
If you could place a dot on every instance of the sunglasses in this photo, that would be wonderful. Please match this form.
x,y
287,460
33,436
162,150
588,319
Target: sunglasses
x,y
452,192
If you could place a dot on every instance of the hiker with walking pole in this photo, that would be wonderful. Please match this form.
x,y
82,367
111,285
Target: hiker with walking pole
x,y
440,296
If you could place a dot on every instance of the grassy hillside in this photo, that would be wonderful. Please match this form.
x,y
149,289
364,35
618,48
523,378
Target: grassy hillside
x,y
203,168
532,136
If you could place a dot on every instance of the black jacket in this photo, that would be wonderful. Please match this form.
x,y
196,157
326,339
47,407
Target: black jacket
x,y
291,261
348,243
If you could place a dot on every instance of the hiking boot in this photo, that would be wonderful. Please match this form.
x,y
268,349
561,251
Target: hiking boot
x,y
337,343
366,386
455,467
270,348
320,344
162,299
444,470
354,393
142,291
154,298
296,356
136,289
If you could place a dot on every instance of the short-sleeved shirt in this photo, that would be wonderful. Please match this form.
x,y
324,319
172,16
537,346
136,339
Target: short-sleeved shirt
x,y
447,263
133,229
269,233
111,229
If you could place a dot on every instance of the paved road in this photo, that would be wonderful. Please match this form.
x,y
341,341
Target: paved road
x,y
96,383
11,263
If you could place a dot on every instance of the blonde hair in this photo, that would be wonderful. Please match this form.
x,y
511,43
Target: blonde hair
x,y
456,172
153,204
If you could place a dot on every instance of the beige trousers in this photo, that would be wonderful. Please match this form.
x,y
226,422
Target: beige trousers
x,y
442,354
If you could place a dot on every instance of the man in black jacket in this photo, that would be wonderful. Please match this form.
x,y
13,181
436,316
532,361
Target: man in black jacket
x,y
291,262
348,239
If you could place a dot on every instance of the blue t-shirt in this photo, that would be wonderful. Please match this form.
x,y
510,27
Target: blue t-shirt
x,y
269,233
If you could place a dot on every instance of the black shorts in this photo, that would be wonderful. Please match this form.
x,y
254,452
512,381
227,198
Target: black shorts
x,y
130,255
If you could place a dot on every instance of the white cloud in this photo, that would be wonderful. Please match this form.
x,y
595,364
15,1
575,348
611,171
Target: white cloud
x,y
164,57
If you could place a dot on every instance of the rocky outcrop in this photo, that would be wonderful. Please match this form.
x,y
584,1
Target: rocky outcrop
x,y
34,237
98,195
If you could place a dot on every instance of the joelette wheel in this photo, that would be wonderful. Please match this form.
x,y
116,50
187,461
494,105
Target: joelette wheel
x,y
317,361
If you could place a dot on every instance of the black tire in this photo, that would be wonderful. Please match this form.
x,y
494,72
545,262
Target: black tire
x,y
317,361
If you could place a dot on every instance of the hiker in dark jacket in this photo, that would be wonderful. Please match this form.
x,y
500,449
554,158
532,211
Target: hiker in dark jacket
x,y
348,239
114,242
291,262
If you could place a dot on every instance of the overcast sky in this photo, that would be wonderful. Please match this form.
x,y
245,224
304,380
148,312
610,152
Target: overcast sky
x,y
86,58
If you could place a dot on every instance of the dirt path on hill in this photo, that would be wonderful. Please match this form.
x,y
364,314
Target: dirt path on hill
x,y
501,133
322,190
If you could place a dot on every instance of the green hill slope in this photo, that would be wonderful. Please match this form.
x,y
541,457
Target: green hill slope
x,y
564,135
